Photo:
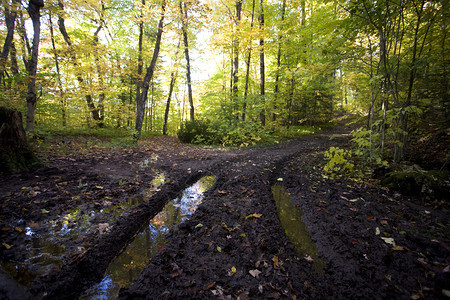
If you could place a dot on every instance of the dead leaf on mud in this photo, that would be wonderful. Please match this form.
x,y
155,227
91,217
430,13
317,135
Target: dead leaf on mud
x,y
222,192
388,240
309,258
33,224
7,246
255,273
254,215
176,270
275,262
398,248
211,285
103,228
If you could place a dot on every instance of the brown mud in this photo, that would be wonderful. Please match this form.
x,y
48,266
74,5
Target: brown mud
x,y
63,224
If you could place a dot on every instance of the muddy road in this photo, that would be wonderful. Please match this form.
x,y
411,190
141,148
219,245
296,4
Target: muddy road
x,y
266,226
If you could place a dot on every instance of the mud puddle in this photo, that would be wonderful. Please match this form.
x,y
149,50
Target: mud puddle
x,y
295,229
47,245
123,269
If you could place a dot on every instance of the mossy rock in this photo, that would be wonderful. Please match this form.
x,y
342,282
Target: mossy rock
x,y
415,181
15,153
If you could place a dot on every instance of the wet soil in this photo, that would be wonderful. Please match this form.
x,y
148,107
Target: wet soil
x,y
62,225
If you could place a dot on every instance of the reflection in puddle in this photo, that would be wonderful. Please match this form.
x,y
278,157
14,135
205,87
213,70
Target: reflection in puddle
x,y
46,250
291,220
124,268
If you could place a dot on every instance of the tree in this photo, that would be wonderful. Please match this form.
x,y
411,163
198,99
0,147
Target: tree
x,y
184,18
34,7
140,105
10,20
262,68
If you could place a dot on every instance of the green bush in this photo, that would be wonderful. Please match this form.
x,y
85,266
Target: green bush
x,y
194,131
338,162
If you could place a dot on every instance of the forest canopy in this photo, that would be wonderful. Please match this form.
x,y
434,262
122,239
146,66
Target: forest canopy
x,y
229,72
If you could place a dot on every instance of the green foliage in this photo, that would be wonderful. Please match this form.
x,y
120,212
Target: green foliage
x,y
338,162
238,134
192,131
365,142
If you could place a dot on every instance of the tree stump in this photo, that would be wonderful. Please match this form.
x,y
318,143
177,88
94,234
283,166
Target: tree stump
x,y
15,153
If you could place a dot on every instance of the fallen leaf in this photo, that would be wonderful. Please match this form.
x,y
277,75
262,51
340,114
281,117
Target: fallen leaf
x,y
211,285
7,246
219,249
275,262
232,271
309,259
398,248
388,240
255,273
99,187
18,229
255,215
280,179
199,225
44,211
377,231
222,192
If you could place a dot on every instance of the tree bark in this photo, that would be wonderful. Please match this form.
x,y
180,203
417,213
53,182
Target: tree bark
x,y
236,58
58,73
173,78
140,60
15,153
247,72
277,76
140,105
10,20
34,8
262,115
184,17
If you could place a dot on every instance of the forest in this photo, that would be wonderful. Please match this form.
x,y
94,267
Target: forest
x,y
313,135
243,72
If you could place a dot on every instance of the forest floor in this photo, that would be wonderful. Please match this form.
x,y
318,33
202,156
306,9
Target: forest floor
x,y
63,224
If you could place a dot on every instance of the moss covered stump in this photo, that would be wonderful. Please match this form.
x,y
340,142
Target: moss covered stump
x,y
15,153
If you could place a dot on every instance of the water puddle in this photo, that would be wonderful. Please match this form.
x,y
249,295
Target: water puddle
x,y
291,219
46,249
124,268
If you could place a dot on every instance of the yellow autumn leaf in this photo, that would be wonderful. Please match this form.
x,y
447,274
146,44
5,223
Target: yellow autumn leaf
x,y
7,246
275,261
233,270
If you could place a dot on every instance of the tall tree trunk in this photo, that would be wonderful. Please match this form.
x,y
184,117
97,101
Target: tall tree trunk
x,y
247,72
34,8
262,115
140,105
277,76
184,18
173,78
140,60
62,28
101,97
236,58
58,73
10,20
